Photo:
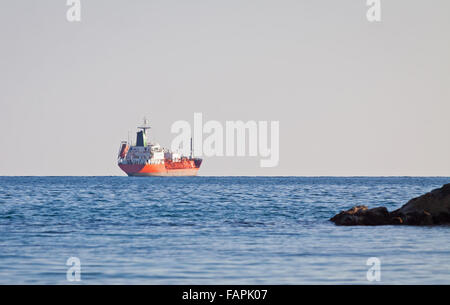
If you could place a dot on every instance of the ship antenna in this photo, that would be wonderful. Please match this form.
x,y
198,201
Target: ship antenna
x,y
145,126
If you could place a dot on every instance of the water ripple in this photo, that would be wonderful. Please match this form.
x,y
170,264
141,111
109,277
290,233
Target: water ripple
x,y
249,230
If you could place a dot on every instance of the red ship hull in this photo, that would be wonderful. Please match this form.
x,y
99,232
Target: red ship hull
x,y
168,168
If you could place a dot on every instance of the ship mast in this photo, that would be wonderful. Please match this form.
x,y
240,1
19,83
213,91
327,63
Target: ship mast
x,y
144,128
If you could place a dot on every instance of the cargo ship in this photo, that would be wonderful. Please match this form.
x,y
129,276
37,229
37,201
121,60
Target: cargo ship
x,y
150,159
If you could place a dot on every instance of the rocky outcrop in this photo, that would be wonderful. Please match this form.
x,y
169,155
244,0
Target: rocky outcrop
x,y
432,208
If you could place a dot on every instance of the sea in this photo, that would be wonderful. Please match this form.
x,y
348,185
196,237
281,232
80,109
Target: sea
x,y
213,230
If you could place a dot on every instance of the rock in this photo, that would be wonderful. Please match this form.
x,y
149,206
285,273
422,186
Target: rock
x,y
397,221
435,202
432,208
362,216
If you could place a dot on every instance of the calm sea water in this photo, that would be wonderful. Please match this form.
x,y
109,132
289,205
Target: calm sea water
x,y
212,230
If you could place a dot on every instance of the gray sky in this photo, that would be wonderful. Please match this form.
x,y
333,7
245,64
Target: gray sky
x,y
352,97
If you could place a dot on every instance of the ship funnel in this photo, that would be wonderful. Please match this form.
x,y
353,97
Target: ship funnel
x,y
141,138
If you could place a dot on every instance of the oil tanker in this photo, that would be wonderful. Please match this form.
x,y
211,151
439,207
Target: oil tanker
x,y
150,159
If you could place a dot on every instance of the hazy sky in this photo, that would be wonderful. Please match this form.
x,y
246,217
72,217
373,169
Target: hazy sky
x,y
352,97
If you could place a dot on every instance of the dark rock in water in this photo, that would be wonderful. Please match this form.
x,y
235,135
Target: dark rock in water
x,y
362,216
432,208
